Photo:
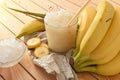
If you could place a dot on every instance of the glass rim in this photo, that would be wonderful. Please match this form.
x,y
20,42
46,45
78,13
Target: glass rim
x,y
66,26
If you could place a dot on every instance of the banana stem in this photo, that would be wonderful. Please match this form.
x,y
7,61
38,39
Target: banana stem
x,y
76,52
28,13
89,69
81,59
87,63
40,19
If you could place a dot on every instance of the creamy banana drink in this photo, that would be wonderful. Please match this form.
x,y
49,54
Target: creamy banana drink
x,y
61,37
11,51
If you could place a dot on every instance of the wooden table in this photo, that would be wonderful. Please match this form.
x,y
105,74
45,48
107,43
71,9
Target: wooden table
x,y
10,24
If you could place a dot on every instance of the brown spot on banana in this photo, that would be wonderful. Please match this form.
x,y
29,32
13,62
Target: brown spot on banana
x,y
108,19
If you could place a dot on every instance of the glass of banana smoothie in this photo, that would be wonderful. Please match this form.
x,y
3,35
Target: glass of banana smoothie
x,y
60,37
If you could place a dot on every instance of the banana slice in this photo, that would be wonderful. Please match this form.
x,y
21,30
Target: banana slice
x,y
40,52
44,45
33,42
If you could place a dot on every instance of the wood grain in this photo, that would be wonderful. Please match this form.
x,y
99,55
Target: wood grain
x,y
37,72
15,73
66,5
4,31
10,21
22,17
1,77
48,6
85,76
30,6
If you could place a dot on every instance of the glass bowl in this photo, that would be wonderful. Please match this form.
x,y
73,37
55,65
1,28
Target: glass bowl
x,y
12,50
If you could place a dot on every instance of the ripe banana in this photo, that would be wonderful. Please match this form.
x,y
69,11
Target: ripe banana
x,y
30,28
98,27
108,69
110,52
109,47
96,31
86,17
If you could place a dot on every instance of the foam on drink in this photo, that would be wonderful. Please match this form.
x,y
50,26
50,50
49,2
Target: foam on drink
x,y
58,18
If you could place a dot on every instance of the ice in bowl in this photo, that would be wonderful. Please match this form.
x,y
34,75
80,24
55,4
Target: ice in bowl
x,y
12,51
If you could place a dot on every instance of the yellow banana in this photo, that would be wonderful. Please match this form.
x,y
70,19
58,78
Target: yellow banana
x,y
96,31
111,51
108,69
31,27
98,27
86,17
109,47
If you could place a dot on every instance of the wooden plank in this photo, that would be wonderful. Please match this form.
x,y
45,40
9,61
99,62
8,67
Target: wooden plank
x,y
85,76
30,6
96,1
46,4
15,73
21,16
37,72
80,2
1,78
116,1
10,21
65,4
100,77
4,32
77,2
93,2
115,77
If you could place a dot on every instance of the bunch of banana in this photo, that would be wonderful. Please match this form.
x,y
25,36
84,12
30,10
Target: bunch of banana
x,y
105,58
99,49
33,26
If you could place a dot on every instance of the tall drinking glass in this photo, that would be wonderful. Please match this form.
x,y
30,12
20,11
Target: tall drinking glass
x,y
61,37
